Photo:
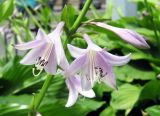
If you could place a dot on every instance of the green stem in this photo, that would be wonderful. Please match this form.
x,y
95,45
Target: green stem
x,y
40,96
152,20
80,17
33,18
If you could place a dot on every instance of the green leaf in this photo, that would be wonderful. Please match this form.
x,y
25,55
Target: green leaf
x,y
99,89
153,110
126,97
128,73
15,104
68,15
109,111
6,9
81,108
150,90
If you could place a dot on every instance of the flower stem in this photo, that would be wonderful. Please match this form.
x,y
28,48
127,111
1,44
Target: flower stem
x,y
33,18
36,102
149,9
80,16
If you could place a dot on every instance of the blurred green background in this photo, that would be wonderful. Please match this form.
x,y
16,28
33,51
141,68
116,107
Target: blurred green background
x,y
138,82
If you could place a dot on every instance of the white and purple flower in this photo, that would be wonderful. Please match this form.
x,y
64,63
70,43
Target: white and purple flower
x,y
46,53
94,64
127,35
74,85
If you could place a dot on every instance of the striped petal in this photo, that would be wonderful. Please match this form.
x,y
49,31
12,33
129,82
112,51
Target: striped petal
x,y
51,67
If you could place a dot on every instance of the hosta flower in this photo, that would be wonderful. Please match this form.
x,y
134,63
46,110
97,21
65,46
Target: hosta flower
x,y
127,35
74,86
46,51
94,64
73,83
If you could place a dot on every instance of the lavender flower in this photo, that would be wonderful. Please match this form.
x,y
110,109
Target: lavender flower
x,y
74,86
94,64
73,83
46,53
127,35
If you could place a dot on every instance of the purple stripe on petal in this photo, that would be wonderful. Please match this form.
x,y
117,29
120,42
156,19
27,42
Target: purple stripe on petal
x,y
51,66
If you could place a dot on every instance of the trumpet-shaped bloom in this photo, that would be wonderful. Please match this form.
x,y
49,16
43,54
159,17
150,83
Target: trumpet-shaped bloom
x,y
73,83
127,35
46,51
94,64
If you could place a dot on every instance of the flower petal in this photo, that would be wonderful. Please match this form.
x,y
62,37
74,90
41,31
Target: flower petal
x,y
127,35
73,93
115,60
90,93
32,55
41,35
91,45
29,45
52,64
86,84
75,51
77,81
109,77
76,65
57,40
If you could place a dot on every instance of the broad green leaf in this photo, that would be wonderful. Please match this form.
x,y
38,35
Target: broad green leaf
x,y
81,108
68,15
100,88
150,90
129,73
153,110
109,111
16,105
126,97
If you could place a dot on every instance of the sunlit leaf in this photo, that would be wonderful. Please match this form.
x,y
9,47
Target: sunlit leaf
x,y
126,97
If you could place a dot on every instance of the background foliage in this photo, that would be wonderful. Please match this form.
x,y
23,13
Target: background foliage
x,y
138,82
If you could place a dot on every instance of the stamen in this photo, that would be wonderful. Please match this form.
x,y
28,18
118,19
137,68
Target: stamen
x,y
34,70
100,73
39,66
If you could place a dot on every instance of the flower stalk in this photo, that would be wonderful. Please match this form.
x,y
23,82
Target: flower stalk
x,y
37,101
80,17
149,9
